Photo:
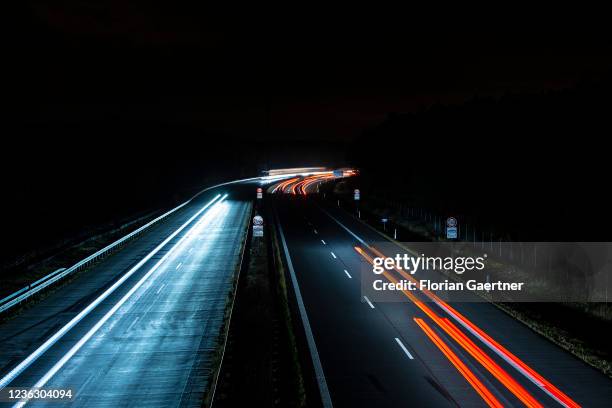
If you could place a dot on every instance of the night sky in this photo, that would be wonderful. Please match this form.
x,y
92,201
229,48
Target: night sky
x,y
118,106
306,75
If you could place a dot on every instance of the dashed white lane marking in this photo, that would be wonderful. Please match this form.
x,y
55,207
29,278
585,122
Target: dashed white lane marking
x,y
348,274
323,242
369,303
316,232
133,323
334,255
160,288
179,265
398,341
190,249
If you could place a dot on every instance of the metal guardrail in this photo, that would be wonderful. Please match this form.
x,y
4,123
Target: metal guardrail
x,y
35,287
44,282
31,285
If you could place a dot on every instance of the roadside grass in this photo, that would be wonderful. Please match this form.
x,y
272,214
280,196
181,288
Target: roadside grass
x,y
18,277
281,283
29,268
261,366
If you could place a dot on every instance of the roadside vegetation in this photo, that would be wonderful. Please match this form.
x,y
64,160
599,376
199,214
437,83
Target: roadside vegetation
x,y
261,366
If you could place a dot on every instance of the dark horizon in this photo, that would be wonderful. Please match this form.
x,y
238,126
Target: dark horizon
x,y
131,107
148,255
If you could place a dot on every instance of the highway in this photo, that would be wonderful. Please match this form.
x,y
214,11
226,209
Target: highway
x,y
142,326
409,352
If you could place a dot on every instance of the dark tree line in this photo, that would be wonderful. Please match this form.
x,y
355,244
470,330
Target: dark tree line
x,y
536,166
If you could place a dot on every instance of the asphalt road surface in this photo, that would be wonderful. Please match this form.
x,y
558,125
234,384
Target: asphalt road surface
x,y
152,341
141,327
377,355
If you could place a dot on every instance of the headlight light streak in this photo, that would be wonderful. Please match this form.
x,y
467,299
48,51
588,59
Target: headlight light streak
x,y
62,361
68,326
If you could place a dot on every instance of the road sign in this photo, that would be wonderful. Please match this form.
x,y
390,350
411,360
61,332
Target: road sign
x,y
384,222
259,193
451,228
258,226
357,194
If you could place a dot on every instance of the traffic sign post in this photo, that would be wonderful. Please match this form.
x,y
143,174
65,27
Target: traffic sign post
x,y
357,194
258,224
259,193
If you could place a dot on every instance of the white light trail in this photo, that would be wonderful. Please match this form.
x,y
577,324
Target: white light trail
x,y
68,326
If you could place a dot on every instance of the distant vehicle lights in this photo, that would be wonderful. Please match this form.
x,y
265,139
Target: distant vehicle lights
x,y
301,183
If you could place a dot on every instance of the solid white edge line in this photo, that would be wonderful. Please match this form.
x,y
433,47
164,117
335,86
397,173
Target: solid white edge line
x,y
68,326
369,303
345,228
398,341
74,349
314,354
348,274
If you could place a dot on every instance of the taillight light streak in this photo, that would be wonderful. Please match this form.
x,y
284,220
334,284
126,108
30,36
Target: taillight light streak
x,y
486,395
500,350
476,352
